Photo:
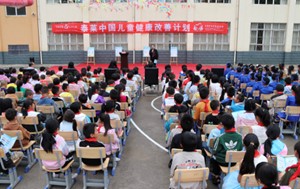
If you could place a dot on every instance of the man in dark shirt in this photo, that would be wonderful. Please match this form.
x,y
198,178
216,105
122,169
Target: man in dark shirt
x,y
90,141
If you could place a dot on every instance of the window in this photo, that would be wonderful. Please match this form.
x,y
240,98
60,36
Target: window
x,y
267,37
63,1
211,42
107,1
165,40
64,42
296,38
212,1
271,2
18,49
13,11
108,41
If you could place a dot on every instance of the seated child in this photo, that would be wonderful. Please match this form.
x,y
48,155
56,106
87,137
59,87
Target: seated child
x,y
52,141
238,103
213,118
47,101
278,96
247,118
292,172
251,159
28,110
76,108
105,128
263,119
38,92
288,86
203,105
178,107
230,94
66,92
187,159
273,146
13,124
230,140
93,94
169,100
90,141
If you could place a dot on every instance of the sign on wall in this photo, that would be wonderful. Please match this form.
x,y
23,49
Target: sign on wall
x,y
146,51
117,51
141,27
174,52
91,52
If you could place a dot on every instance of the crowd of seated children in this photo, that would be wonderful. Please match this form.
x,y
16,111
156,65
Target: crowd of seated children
x,y
251,159
247,118
230,140
273,146
187,159
90,140
50,141
263,119
13,124
105,128
45,100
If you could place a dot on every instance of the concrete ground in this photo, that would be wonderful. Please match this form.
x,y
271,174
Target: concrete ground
x,y
143,165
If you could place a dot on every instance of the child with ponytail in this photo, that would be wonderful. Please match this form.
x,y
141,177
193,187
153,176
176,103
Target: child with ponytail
x,y
52,141
273,146
251,159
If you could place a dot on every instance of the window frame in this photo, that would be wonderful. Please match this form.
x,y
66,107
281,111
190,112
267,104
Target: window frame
x,y
168,40
63,1
296,32
267,2
18,49
106,42
213,1
16,11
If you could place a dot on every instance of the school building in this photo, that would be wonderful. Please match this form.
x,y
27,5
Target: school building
x,y
204,31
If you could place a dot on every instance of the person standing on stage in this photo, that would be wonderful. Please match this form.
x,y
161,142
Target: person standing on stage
x,y
153,55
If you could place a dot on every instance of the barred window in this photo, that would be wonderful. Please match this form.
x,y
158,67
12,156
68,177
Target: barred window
x,y
267,37
13,11
18,49
164,41
212,1
64,42
108,41
271,2
296,38
212,42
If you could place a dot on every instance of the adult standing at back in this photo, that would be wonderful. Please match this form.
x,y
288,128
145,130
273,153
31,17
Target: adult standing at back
x,y
153,53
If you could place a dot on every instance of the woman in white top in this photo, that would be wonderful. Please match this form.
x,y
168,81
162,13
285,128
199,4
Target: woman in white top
x,y
251,159
263,119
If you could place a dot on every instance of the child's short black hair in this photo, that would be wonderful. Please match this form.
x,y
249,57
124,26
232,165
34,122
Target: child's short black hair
x,y
109,106
173,83
69,116
204,92
45,90
288,81
214,104
196,79
75,107
55,90
114,94
65,86
10,114
279,88
60,68
38,87
110,82
250,105
123,81
13,80
240,97
215,78
103,85
35,77
227,121
28,92
178,98
198,67
11,90
230,92
56,81
187,122
266,81
170,90
88,129
82,98
130,75
43,76
189,141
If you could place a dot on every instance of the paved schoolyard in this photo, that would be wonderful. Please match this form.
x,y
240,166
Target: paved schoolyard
x,y
143,164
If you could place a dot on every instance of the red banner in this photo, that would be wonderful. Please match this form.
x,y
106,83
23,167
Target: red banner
x,y
141,27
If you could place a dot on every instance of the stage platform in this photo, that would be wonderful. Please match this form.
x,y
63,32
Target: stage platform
x,y
176,68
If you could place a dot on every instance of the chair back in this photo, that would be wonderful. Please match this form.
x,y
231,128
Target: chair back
x,y
41,154
177,150
121,114
244,130
67,99
75,93
173,126
243,85
116,124
19,94
90,113
191,175
266,96
203,115
123,105
249,89
168,115
234,156
60,104
29,120
108,139
279,103
91,152
96,106
167,108
69,135
256,93
14,133
2,153
45,109
249,180
292,110
208,128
